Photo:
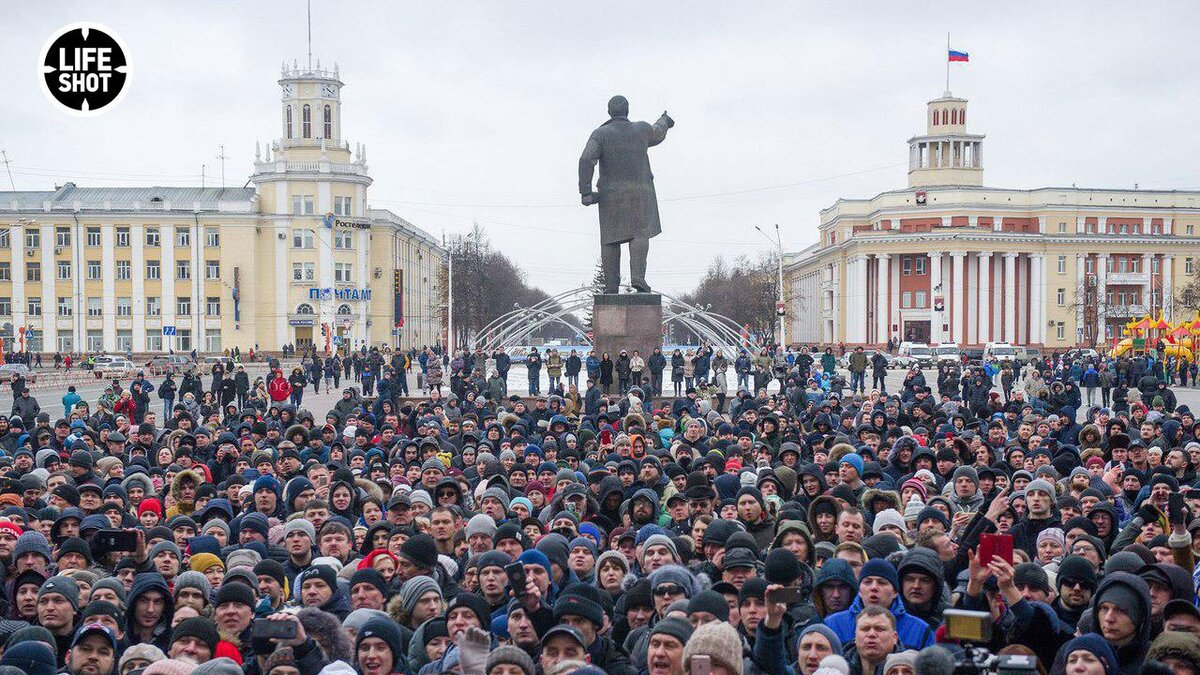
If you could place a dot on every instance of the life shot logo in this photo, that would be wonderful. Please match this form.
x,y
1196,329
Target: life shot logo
x,y
84,68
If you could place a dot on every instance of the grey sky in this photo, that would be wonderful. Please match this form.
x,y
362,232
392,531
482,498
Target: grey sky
x,y
478,110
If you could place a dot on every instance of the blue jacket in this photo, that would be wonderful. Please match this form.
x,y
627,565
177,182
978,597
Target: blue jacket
x,y
914,633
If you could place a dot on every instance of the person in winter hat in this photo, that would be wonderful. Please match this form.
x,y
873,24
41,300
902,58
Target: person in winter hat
x,y
718,641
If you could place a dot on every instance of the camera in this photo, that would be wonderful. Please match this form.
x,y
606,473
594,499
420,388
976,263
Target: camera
x,y
973,629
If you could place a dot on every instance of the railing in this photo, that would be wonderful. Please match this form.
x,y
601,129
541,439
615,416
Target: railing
x,y
1114,278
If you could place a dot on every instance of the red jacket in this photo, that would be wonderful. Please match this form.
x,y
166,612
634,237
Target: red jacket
x,y
125,406
279,389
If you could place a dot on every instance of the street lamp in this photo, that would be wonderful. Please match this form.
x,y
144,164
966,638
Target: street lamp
x,y
779,308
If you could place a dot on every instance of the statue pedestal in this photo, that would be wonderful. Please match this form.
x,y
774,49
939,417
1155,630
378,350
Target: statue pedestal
x,y
627,321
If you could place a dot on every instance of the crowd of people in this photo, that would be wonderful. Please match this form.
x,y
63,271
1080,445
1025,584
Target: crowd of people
x,y
810,531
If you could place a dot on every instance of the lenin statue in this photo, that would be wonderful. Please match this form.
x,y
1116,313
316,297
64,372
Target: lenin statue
x,y
624,190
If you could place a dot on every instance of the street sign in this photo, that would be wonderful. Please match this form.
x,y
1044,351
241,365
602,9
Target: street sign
x,y
337,340
168,330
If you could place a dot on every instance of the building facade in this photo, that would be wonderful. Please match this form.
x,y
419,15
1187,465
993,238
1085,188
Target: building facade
x,y
299,259
949,260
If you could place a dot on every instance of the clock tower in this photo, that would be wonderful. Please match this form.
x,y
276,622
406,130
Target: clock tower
x,y
311,111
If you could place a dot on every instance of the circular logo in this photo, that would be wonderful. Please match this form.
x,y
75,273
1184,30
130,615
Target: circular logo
x,y
84,69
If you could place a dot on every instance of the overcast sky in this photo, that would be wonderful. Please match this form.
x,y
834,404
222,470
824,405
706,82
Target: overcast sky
x,y
477,111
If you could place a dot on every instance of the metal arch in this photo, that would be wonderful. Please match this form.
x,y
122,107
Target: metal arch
x,y
554,298
713,337
515,331
508,330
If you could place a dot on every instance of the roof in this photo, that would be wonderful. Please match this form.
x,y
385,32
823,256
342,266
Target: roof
x,y
71,197
386,216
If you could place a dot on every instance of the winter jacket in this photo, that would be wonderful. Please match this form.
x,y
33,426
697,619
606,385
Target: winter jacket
x,y
914,633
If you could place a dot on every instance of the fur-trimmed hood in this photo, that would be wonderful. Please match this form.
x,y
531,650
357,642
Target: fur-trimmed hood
x,y
177,484
890,496
327,631
140,479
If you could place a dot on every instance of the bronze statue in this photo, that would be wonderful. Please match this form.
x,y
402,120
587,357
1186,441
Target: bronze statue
x,y
624,190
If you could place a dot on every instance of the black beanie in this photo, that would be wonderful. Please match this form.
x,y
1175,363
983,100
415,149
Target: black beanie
x,y
270,568
753,588
369,575
421,551
640,593
239,593
324,573
753,492
712,602
1033,576
74,545
577,605
476,604
677,628
200,628
782,567
1077,569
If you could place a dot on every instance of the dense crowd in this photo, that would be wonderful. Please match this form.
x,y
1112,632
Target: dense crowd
x,y
824,529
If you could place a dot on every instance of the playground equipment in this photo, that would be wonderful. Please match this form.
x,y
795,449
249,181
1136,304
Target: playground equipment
x,y
1141,336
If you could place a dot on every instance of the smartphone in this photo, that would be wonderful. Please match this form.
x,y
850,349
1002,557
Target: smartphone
x,y
995,546
1178,508
116,540
516,577
701,664
788,595
263,629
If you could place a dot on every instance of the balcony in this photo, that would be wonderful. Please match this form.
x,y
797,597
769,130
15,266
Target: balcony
x,y
1127,278
1125,311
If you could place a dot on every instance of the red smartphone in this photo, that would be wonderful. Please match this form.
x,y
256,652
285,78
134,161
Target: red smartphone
x,y
995,545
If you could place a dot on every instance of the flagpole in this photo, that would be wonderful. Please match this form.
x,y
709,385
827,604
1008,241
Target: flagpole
x,y
947,63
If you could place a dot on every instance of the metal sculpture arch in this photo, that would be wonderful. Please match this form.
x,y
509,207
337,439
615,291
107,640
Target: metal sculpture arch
x,y
515,326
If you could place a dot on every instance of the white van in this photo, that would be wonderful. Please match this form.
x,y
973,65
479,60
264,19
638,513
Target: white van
x,y
999,351
915,352
948,351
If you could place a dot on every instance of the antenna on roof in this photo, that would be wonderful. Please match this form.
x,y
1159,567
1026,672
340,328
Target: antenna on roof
x,y
221,156
310,34
202,167
8,168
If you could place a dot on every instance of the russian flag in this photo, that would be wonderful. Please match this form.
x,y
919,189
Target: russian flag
x,y
959,56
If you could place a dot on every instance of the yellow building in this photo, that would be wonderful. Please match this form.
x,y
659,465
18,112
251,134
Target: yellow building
x,y
302,259
949,260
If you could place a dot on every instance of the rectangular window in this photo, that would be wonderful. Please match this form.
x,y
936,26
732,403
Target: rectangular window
x,y
152,237
303,271
212,270
124,340
66,341
62,237
1190,229
1154,265
1062,228
183,340
5,306
154,341
1089,265
34,307
93,236
95,340
906,266
302,205
5,238
1121,298
93,270
1110,297
343,239
183,236
153,269
921,299
1156,298
212,306
212,237
183,306
302,239
153,306
1123,228
64,269
1062,297
65,308
1060,331
122,237
1110,265
1155,228
5,271
1062,264
212,340
921,260
341,206
906,300
343,273
1188,265
95,307
1123,265
183,270
124,270
124,307
33,238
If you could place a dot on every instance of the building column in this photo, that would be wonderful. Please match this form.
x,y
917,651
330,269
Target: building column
x,y
860,284
883,303
1080,293
1010,297
137,235
1168,286
1148,287
1101,296
1037,297
935,289
958,327
985,298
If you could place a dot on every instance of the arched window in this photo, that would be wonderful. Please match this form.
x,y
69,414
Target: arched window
x,y
344,310
962,116
328,122
954,116
304,308
289,121
306,121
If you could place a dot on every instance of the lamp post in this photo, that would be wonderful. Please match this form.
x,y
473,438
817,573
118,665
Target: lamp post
x,y
779,308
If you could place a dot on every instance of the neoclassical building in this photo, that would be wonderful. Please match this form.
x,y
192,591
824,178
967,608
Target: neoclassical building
x,y
949,260
300,258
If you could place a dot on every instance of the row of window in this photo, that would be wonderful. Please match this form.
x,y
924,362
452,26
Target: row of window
x,y
306,121
123,270
305,205
1123,228
122,238
343,273
915,265
94,341
342,239
95,307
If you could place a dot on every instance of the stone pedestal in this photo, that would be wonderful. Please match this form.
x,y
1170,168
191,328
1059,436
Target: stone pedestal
x,y
627,321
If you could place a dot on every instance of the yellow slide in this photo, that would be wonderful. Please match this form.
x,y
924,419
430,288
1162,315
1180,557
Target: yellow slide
x,y
1180,351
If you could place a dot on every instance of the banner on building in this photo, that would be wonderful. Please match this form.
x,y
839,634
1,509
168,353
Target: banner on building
x,y
398,299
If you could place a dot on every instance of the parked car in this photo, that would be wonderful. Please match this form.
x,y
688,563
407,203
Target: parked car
x,y
163,364
113,367
947,351
207,362
10,371
999,351
973,355
914,353
1027,354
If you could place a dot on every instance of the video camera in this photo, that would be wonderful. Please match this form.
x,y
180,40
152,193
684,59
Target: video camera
x,y
973,630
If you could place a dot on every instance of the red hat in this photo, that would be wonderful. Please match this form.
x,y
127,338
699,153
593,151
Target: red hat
x,y
150,504
11,527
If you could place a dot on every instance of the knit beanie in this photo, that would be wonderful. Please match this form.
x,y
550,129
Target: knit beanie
x,y
144,651
74,545
574,604
358,618
935,513
662,540
908,657
239,593
1032,575
64,586
165,545
1074,568
369,575
201,562
912,510
678,628
709,601
198,627
31,541
717,640
481,523
825,631
782,567
196,580
300,525
853,460
889,517
219,665
243,557
414,588
614,556
511,656
420,550
674,574
1041,485
883,569
323,573
966,472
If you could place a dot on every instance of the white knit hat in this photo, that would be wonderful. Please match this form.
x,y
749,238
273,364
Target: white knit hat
x,y
889,517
